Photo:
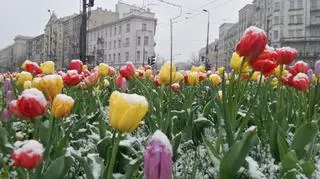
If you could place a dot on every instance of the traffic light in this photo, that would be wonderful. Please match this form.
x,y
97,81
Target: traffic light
x,y
152,60
91,3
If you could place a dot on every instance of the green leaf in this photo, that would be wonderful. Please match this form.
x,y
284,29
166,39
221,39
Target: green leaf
x,y
132,168
44,132
59,167
175,144
289,162
103,146
283,145
308,168
304,135
210,148
235,157
85,165
60,148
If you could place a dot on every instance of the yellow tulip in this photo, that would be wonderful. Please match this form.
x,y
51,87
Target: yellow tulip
x,y
84,67
148,73
51,85
103,69
274,82
164,75
236,62
179,77
36,83
220,70
215,79
202,69
62,105
126,111
106,83
277,71
47,67
255,76
193,78
22,77
27,85
314,79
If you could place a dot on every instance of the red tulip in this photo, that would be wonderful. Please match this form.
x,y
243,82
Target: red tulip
x,y
128,70
140,73
13,108
32,67
286,55
175,87
72,78
76,65
287,80
265,62
156,82
31,103
85,73
301,82
299,67
121,82
252,43
27,154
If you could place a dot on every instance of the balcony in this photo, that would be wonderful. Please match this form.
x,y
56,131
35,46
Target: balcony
x,y
315,8
300,39
315,23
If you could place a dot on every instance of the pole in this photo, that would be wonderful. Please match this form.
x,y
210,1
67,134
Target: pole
x,y
268,29
171,58
50,29
207,47
83,32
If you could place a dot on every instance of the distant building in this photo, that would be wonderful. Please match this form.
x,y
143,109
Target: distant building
x,y
222,43
212,54
128,38
13,56
35,49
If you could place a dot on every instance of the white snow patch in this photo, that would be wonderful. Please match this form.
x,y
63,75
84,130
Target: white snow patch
x,y
160,136
35,93
253,170
251,128
255,30
28,145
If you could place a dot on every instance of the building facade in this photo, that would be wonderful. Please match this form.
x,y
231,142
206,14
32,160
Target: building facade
x,y
222,51
212,53
129,38
13,56
35,49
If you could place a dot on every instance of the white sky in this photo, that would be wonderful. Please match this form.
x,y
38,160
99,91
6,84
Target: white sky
x,y
28,17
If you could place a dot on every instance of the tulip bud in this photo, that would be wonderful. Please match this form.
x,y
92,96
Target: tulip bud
x,y
23,76
111,71
164,74
92,79
7,85
126,110
148,73
301,82
128,70
103,69
317,68
31,67
30,104
27,154
175,87
51,85
236,62
27,84
76,65
62,106
5,115
158,157
47,67
193,78
121,82
286,55
72,78
106,83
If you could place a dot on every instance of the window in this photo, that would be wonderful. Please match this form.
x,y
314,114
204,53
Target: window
x,y
110,58
299,4
120,29
106,45
276,20
275,35
146,41
299,32
291,33
114,57
119,57
291,4
128,28
139,40
114,44
299,19
106,32
119,43
110,45
127,56
291,19
110,32
115,31
276,6
145,56
138,56
144,26
127,42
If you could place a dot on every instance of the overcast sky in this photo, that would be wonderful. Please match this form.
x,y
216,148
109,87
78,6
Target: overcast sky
x,y
189,33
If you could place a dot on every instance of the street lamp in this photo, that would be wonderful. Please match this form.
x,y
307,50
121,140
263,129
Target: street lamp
x,y
49,42
207,47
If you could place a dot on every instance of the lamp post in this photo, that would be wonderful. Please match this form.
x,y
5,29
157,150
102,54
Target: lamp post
x,y
50,29
207,47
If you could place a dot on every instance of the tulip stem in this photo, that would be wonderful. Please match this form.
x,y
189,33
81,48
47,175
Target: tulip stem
x,y
113,156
